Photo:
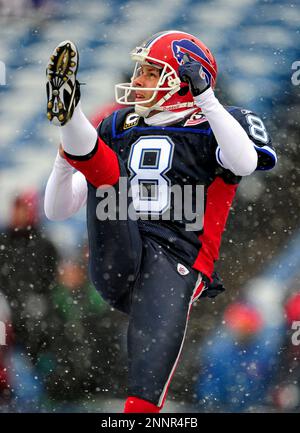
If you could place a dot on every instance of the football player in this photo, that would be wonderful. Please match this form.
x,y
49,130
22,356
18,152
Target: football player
x,y
173,131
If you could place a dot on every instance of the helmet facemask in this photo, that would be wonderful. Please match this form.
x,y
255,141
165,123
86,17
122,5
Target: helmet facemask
x,y
168,84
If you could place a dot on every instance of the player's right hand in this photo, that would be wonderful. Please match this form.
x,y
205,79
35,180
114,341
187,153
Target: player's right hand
x,y
191,72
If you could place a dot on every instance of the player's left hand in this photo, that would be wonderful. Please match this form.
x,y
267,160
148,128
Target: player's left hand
x,y
213,288
192,73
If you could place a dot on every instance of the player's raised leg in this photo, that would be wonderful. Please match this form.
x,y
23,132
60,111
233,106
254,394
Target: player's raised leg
x,y
82,147
115,246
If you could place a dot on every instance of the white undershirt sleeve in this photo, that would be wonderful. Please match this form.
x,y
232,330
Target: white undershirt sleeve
x,y
235,150
66,191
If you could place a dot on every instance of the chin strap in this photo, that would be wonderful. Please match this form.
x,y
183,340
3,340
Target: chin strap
x,y
145,111
165,118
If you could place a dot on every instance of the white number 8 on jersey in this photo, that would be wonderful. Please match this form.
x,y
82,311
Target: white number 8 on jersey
x,y
149,160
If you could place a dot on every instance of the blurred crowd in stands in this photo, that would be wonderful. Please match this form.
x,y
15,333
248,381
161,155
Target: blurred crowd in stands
x,y
23,8
61,340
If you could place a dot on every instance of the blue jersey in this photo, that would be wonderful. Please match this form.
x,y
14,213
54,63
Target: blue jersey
x,y
184,154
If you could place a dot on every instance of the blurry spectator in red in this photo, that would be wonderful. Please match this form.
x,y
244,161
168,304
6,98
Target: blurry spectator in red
x,y
28,262
104,111
292,309
243,320
237,365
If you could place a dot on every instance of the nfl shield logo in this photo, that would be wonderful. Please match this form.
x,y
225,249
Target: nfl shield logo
x,y
182,270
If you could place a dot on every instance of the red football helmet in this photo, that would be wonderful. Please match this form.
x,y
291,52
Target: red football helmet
x,y
165,50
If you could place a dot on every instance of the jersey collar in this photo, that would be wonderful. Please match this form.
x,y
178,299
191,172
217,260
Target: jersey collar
x,y
165,118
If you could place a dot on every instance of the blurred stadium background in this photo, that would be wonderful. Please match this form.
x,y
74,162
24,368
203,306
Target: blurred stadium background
x,y
256,44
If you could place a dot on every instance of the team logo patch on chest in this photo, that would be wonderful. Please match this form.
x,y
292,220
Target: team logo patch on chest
x,y
195,119
132,119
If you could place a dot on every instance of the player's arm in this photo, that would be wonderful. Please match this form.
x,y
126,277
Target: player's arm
x,y
259,136
236,149
66,191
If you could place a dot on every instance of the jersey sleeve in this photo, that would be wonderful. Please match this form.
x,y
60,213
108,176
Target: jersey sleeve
x,y
105,129
258,134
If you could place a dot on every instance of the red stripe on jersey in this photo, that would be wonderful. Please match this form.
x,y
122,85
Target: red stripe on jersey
x,y
102,168
198,291
219,199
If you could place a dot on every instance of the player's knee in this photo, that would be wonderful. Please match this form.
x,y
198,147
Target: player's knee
x,y
111,284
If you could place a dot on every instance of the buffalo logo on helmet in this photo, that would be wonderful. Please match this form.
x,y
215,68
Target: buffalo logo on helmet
x,y
185,46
